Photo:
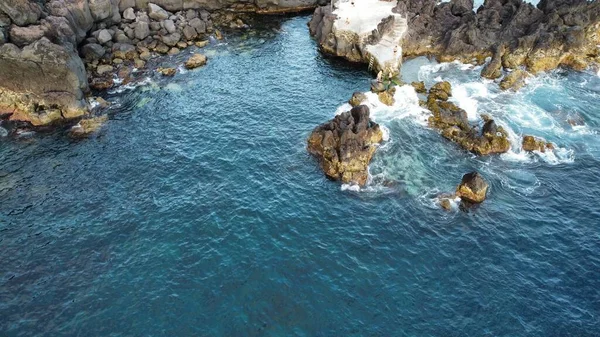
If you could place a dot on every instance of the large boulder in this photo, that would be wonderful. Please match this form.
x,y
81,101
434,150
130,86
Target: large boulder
x,y
21,12
22,36
345,145
473,188
51,90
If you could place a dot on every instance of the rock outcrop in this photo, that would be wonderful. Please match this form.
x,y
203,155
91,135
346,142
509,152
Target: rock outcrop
x,y
345,145
513,33
361,31
473,188
454,125
531,143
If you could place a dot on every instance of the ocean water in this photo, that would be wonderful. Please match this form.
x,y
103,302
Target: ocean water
x,y
196,210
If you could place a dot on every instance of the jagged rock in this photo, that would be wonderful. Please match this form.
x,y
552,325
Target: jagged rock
x,y
157,13
555,33
473,188
531,143
514,80
455,126
345,145
357,99
167,71
441,91
419,87
377,86
195,61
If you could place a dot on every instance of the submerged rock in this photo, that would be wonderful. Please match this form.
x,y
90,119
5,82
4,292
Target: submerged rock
x,y
514,80
345,145
167,71
87,126
472,188
419,87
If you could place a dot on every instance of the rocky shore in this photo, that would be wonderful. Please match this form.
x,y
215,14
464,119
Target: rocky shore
x,y
511,34
54,53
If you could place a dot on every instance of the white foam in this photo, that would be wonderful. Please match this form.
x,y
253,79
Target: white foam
x,y
350,187
130,86
3,132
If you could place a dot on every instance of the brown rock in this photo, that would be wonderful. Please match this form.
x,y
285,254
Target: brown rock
x,y
87,126
345,145
531,143
472,188
419,87
357,99
514,80
195,61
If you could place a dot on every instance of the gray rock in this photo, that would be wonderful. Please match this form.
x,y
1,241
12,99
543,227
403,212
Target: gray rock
x,y
2,38
121,37
77,12
155,26
129,32
21,12
157,13
141,29
92,51
59,30
169,26
171,39
100,9
4,20
190,33
204,15
22,36
198,25
104,36
129,14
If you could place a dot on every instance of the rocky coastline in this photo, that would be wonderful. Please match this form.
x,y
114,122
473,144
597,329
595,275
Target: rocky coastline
x,y
54,54
507,34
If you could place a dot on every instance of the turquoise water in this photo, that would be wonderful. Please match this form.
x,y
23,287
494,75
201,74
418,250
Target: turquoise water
x,y
196,210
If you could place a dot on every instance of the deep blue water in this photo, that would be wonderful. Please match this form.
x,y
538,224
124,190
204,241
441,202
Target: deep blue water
x,y
196,211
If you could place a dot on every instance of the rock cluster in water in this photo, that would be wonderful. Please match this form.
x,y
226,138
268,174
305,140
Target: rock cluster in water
x,y
53,51
454,125
345,145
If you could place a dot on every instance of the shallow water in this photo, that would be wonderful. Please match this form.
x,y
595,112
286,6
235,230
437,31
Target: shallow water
x,y
197,211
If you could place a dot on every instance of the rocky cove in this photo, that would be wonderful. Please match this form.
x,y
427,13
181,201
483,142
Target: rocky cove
x,y
196,208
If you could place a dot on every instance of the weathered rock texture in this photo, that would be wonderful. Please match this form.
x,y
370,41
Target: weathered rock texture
x,y
46,46
455,126
345,145
354,32
512,32
473,188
